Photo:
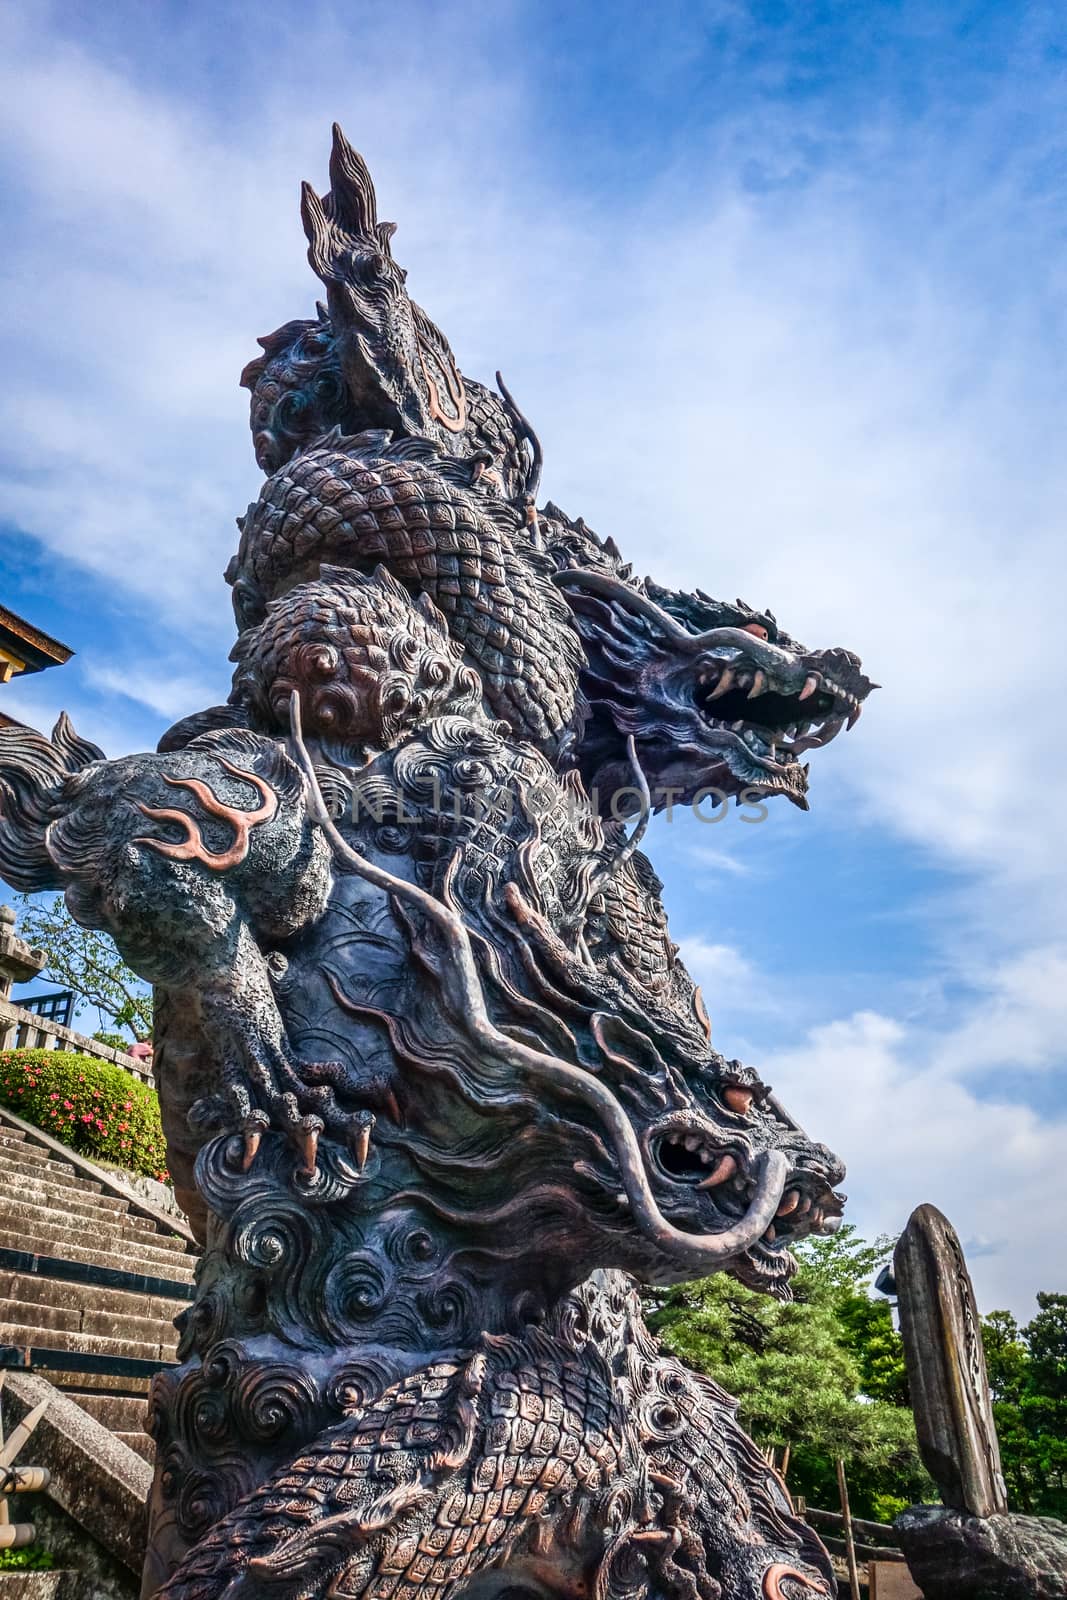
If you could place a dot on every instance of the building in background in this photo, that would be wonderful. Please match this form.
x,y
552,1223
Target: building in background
x,y
24,648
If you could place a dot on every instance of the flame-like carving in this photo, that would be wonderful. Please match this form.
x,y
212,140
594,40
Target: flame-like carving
x,y
193,847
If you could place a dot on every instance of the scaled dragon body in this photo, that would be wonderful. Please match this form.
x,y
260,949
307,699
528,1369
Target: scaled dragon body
x,y
432,1074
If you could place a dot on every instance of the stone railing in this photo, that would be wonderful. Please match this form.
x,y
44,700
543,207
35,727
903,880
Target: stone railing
x,y
25,1030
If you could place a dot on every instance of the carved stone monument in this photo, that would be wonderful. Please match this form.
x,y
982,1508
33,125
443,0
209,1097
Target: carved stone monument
x,y
969,1548
437,1088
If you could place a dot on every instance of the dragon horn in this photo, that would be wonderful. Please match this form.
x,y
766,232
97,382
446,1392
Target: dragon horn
x,y
633,600
352,202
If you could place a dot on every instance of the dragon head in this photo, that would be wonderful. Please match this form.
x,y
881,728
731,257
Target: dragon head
x,y
718,700
398,366
298,390
368,662
552,1106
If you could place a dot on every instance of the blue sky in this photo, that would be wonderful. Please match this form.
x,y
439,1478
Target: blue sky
x,y
782,287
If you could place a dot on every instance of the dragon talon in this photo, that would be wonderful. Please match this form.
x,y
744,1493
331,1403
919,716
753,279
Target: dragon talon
x,y
361,1139
255,1125
306,1139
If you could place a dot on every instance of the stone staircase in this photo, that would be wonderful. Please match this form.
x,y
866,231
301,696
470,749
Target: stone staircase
x,y
74,1219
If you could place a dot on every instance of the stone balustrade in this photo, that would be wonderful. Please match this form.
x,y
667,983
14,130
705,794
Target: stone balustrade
x,y
25,1030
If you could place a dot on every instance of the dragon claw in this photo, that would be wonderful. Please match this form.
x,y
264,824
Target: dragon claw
x,y
360,1138
306,1138
252,1131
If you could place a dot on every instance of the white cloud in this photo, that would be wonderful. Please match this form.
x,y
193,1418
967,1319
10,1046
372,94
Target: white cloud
x,y
877,1092
716,862
782,399
721,967
169,695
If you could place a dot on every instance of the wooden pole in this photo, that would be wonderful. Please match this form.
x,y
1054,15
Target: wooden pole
x,y
850,1543
784,1468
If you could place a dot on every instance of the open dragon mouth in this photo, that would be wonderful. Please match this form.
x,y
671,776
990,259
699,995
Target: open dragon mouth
x,y
686,1154
774,707
742,701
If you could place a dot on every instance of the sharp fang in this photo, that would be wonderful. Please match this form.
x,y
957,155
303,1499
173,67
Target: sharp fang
x,y
854,716
723,1169
759,683
770,1235
789,1204
738,724
723,684
691,1141
811,683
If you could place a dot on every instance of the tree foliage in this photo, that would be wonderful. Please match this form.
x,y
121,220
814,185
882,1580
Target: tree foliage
x,y
822,1374
1028,1376
87,962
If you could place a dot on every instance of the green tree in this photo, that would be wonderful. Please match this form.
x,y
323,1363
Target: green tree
x,y
1006,1357
1028,1377
821,1374
87,962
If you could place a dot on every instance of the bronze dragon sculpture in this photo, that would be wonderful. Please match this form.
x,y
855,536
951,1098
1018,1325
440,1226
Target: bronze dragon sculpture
x,y
436,1086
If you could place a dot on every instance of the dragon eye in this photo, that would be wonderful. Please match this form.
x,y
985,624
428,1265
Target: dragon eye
x,y
738,1099
757,628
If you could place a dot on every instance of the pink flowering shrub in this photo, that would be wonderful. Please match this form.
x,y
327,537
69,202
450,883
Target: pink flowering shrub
x,y
90,1105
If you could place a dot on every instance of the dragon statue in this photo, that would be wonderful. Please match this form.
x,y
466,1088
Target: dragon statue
x,y
437,1089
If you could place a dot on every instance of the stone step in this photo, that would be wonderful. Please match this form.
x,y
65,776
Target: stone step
x,y
158,1331
52,1170
101,1344
121,1254
98,1383
20,1213
21,1223
78,1297
57,1319
121,1413
141,1443
23,1186
20,1149
149,1225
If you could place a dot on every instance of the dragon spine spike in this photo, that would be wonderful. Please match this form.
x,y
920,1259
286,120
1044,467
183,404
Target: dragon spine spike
x,y
317,232
352,201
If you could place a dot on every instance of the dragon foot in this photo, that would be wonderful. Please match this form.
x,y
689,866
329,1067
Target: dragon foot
x,y
289,1101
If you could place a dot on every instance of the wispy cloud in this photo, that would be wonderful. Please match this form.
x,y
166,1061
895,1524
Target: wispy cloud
x,y
798,346
874,1089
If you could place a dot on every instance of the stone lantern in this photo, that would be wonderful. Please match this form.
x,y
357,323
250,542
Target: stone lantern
x,y
19,962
